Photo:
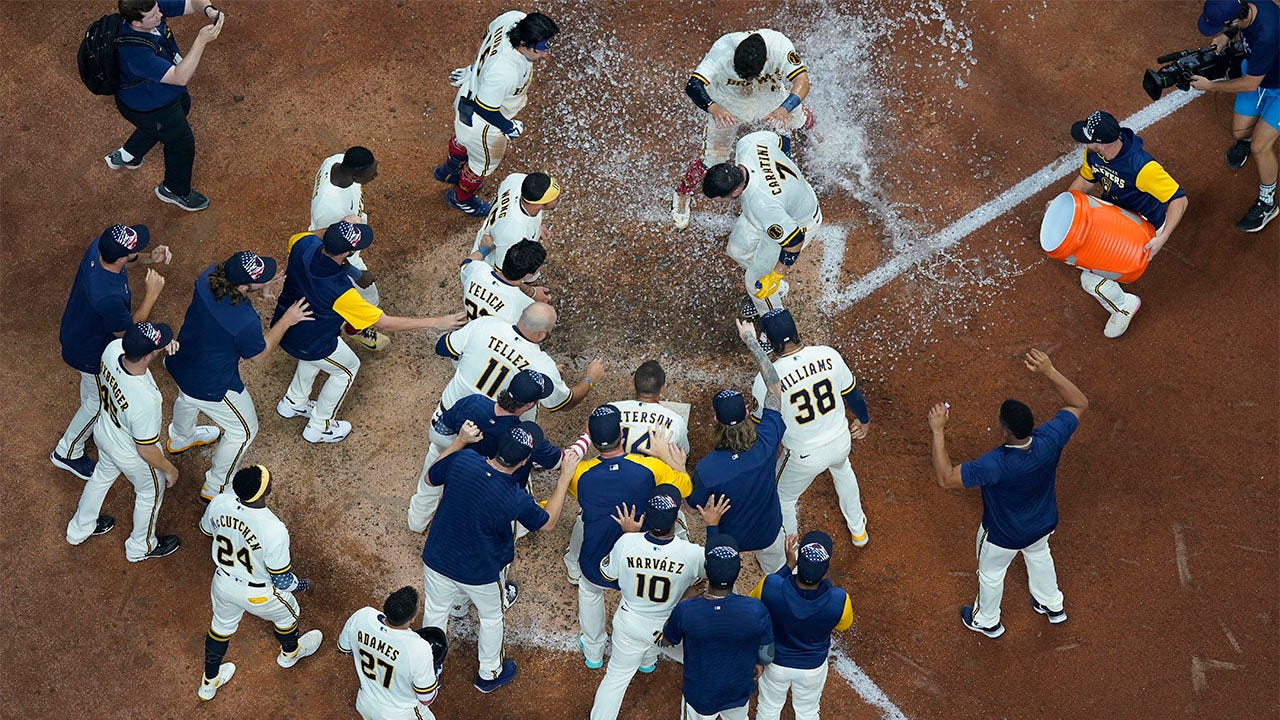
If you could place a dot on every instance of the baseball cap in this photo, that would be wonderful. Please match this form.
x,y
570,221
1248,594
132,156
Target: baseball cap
x,y
730,406
604,425
1216,14
814,556
515,447
343,236
663,507
144,337
529,386
247,268
120,241
723,560
779,327
1099,127
539,188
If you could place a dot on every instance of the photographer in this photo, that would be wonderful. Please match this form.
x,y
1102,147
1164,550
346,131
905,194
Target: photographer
x,y
1257,94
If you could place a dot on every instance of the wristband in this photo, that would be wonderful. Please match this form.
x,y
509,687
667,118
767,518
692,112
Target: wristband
x,y
791,103
586,379
788,258
209,7
485,250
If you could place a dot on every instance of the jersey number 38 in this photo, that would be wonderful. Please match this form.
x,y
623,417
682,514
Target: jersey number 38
x,y
809,404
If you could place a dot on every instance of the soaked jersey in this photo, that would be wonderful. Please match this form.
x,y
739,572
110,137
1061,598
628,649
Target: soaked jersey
x,y
130,413
777,200
485,293
330,203
637,419
248,543
490,351
814,381
500,74
507,222
754,98
653,574
395,666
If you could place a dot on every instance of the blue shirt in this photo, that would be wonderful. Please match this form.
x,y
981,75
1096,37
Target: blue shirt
x,y
215,335
750,481
321,281
1018,502
1133,179
97,308
480,409
141,67
471,538
722,640
1263,38
802,618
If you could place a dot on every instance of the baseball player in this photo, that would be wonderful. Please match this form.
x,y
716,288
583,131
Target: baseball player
x,y
724,635
253,572
600,485
398,668
97,312
805,608
746,76
128,442
336,195
646,411
316,272
779,214
518,213
654,569
817,389
220,328
501,290
471,541
1019,505
491,92
1129,177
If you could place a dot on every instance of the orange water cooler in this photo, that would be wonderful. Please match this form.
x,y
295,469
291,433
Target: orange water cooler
x,y
1093,234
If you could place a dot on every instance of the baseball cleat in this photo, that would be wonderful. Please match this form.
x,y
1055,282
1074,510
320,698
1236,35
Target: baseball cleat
x,y
473,206
459,610
681,209
861,540
191,202
307,645
966,617
1118,323
1258,216
115,160
505,676
204,435
592,664
1055,616
1238,153
287,408
334,431
448,172
166,545
510,593
104,525
648,669
82,467
369,338
748,310
209,688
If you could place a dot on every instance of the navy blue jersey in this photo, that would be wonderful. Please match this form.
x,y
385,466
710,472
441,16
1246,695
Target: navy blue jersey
x,y
332,298
482,410
141,67
802,618
750,481
1263,38
1132,179
722,639
215,336
97,308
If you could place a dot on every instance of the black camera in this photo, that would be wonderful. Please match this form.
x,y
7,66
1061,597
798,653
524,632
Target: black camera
x,y
1179,67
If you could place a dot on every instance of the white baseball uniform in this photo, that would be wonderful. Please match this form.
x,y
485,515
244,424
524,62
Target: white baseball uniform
x,y
330,203
497,81
747,100
507,222
639,417
484,292
653,576
815,380
395,666
130,416
777,205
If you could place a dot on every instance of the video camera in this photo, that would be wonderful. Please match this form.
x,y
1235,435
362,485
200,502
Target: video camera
x,y
1179,67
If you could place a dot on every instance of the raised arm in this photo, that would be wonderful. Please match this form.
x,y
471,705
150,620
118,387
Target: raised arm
x,y
1075,402
772,383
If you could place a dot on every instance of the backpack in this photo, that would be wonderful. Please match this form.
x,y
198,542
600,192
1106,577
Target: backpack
x,y
99,66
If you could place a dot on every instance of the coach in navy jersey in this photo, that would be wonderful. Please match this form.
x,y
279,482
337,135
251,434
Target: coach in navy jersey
x,y
1019,507
221,328
725,636
98,312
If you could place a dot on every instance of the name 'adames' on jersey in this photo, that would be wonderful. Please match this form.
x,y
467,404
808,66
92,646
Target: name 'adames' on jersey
x,y
815,380
394,665
653,577
248,543
490,352
753,98
778,199
500,74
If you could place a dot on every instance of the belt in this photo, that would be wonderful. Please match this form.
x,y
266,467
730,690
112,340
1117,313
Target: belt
x,y
224,573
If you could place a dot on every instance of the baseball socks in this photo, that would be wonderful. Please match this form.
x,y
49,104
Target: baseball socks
x,y
1262,212
464,197
216,672
450,170
682,198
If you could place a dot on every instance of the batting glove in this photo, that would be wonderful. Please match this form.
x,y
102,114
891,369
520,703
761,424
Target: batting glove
x,y
458,75
517,129
767,285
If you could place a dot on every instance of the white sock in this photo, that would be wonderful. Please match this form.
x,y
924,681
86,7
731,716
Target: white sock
x,y
1267,194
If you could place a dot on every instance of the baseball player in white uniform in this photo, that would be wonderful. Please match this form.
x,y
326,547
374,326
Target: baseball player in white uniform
x,y
491,92
653,569
128,435
518,213
817,389
501,290
747,76
338,194
397,669
779,214
253,572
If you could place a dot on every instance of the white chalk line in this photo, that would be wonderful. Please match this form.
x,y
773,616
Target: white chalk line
x,y
1004,202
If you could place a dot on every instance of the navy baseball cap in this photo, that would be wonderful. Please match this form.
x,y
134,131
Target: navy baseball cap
x,y
663,507
1099,127
730,407
515,447
813,557
604,425
248,268
343,236
723,561
144,337
779,327
529,386
121,241
1217,13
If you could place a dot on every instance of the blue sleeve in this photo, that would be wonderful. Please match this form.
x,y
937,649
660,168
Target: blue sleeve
x,y
1059,429
700,491
249,341
983,471
697,92
114,312
494,118
531,515
439,470
546,455
172,8
671,631
452,419
143,62
766,623
771,428
443,349
857,404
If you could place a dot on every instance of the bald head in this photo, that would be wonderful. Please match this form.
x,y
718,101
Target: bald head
x,y
537,318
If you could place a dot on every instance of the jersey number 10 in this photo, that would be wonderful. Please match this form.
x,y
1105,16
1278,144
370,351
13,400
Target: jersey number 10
x,y
654,588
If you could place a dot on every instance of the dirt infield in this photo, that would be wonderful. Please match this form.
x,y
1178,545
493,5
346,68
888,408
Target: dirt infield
x,y
1167,551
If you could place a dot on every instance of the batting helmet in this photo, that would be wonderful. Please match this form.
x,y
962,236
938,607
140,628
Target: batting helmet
x,y
439,645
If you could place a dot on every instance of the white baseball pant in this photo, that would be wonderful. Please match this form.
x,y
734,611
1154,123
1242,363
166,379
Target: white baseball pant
x,y
772,558
1107,292
993,562
71,444
797,471
441,592
485,144
757,253
632,649
688,713
805,686
370,294
718,143
594,637
425,500
232,597
148,489
341,366
238,418
372,710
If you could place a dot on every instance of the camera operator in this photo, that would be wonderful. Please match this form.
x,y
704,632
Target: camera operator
x,y
1257,94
